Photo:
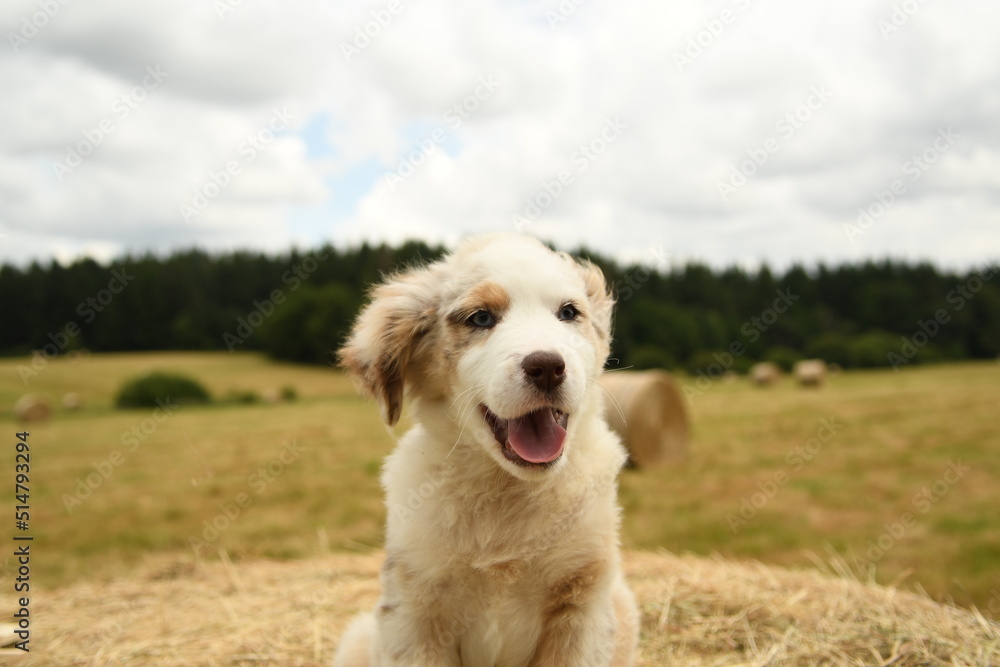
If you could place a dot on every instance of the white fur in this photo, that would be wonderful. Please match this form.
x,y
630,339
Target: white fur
x,y
490,563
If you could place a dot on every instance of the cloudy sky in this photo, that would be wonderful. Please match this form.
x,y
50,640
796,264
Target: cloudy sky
x,y
738,131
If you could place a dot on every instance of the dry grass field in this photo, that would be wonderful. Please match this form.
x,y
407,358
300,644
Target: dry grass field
x,y
696,612
879,476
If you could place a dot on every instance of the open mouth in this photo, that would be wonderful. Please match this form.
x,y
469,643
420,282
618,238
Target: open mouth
x,y
533,439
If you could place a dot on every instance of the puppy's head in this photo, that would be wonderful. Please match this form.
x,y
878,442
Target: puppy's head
x,y
504,336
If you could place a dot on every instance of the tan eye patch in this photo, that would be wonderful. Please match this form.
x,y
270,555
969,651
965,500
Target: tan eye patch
x,y
487,296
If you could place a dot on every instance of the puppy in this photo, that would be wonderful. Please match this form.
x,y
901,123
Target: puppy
x,y
502,536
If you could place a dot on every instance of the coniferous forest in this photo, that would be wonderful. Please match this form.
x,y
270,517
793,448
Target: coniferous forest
x,y
299,305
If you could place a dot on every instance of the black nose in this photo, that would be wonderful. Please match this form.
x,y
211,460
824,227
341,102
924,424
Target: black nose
x,y
546,370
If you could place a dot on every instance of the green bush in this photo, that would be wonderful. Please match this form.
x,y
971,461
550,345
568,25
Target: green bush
x,y
785,357
870,350
650,356
311,325
288,393
709,362
831,347
145,391
245,396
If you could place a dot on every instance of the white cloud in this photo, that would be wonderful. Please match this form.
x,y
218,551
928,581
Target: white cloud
x,y
686,128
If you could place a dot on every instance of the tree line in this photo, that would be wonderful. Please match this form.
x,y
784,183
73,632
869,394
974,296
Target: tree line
x,y
298,306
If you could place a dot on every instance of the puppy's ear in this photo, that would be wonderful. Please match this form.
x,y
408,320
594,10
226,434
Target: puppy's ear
x,y
401,312
601,302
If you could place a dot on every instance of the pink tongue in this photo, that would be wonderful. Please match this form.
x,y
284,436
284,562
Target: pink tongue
x,y
536,437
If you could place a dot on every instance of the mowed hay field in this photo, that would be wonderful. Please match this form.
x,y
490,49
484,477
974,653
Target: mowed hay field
x,y
883,476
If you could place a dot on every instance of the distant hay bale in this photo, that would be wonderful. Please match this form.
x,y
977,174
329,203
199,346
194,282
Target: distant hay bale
x,y
810,372
32,408
765,373
72,401
646,409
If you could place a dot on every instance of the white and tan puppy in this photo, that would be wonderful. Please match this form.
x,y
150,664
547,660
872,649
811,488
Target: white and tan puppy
x,y
502,536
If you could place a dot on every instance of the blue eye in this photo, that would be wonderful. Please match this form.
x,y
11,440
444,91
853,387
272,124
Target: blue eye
x,y
568,313
482,319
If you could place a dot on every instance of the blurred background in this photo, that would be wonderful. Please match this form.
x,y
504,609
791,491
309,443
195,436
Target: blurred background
x,y
206,189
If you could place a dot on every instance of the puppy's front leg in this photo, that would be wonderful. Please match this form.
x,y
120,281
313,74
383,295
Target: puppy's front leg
x,y
577,638
578,621
416,635
417,621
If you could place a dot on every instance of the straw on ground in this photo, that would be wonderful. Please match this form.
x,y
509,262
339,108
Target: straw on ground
x,y
695,612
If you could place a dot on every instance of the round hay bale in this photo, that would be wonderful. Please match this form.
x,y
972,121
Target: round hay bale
x,y
765,373
32,408
646,409
72,401
810,372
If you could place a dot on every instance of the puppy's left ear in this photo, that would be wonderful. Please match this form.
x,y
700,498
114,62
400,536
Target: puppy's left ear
x,y
386,334
601,302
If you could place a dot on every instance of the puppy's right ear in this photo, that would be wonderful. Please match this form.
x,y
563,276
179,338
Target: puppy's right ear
x,y
599,295
382,343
